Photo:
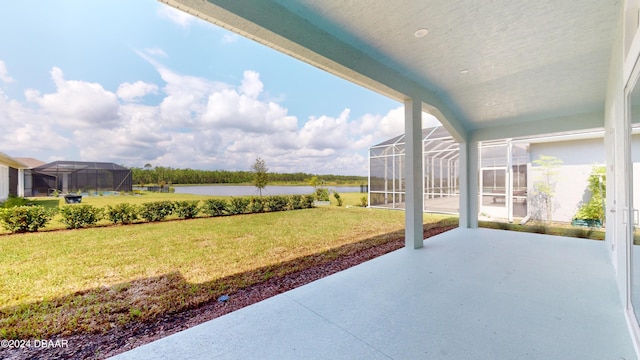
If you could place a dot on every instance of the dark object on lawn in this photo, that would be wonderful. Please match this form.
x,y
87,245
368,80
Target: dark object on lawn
x,y
73,199
223,298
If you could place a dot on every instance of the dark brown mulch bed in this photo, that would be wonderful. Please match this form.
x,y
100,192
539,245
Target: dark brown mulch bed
x,y
118,340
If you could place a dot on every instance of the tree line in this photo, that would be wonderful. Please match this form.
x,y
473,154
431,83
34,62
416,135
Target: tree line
x,y
170,175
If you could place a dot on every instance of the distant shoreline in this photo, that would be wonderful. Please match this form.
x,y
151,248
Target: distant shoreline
x,y
281,183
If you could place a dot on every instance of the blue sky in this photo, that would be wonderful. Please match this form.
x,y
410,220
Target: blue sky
x,y
137,82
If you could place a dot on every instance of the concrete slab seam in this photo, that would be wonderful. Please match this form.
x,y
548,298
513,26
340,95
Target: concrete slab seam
x,y
338,326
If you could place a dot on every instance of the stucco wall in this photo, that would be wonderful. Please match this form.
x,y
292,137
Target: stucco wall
x,y
578,157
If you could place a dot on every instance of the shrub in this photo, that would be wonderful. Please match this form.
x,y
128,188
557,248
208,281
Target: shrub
x,y
257,205
157,210
322,194
186,209
238,206
295,202
214,207
78,216
14,201
338,198
594,208
26,218
122,213
277,203
308,201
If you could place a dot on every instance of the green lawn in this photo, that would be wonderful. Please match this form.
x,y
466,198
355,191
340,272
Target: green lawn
x,y
350,199
71,281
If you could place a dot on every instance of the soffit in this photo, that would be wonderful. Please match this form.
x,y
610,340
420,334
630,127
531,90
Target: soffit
x,y
12,162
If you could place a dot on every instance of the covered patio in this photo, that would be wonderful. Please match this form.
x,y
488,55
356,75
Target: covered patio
x,y
540,297
487,70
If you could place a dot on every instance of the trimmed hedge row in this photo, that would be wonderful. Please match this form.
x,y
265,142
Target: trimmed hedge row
x,y
31,218
26,218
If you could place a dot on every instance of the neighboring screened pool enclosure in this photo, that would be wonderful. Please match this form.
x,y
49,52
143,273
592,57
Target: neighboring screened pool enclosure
x,y
503,193
80,177
440,172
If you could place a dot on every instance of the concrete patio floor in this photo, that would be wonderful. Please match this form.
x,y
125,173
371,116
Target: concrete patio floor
x,y
468,294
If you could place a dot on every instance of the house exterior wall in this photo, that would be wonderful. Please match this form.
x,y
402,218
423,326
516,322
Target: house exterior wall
x,y
625,52
11,177
578,158
635,157
14,180
614,124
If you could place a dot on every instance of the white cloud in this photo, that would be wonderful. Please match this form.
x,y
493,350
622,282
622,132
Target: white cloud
x,y
158,52
241,109
429,120
174,15
379,128
4,74
77,103
251,84
229,38
199,123
185,96
24,130
135,91
139,136
326,132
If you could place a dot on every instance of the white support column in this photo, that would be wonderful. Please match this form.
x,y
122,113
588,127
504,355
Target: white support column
x,y
424,190
509,182
469,184
399,175
441,174
386,179
413,172
4,182
394,185
432,179
369,180
21,182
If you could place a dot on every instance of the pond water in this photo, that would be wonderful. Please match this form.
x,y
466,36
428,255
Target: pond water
x,y
249,190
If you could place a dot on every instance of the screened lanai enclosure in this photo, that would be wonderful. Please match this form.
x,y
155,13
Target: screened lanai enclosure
x,y
80,177
503,183
440,172
503,180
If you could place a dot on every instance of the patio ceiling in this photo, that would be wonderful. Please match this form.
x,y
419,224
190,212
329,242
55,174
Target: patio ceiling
x,y
483,65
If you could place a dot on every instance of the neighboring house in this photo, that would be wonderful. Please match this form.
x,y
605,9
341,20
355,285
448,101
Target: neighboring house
x,y
32,177
80,176
28,178
506,184
11,177
570,179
